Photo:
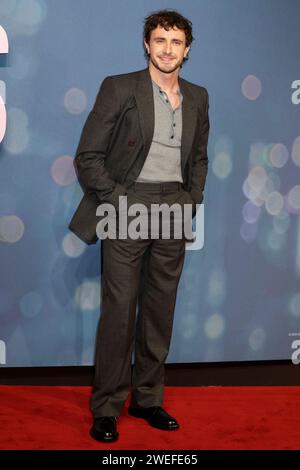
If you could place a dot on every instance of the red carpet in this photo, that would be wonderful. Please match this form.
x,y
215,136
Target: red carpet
x,y
34,417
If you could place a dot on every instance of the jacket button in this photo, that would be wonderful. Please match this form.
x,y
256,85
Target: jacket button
x,y
131,143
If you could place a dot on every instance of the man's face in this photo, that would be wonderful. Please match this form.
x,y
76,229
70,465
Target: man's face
x,y
167,48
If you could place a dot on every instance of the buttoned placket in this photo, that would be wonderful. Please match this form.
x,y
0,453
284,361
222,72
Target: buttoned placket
x,y
165,97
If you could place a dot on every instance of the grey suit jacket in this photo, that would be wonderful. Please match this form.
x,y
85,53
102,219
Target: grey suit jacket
x,y
116,139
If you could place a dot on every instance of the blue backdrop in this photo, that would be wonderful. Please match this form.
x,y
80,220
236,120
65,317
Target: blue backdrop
x,y
239,296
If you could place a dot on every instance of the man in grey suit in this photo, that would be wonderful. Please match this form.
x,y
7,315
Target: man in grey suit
x,y
146,139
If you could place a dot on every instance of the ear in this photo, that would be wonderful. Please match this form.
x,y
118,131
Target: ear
x,y
146,46
186,51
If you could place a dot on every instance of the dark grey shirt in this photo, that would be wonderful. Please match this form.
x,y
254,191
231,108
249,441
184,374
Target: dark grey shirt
x,y
163,162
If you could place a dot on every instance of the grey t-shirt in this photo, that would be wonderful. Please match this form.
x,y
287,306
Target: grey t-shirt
x,y
163,162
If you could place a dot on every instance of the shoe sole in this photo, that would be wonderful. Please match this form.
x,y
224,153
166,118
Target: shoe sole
x,y
162,428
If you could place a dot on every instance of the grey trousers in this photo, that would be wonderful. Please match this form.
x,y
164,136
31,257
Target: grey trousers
x,y
139,287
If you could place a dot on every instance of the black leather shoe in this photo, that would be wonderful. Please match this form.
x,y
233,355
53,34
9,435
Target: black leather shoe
x,y
105,429
156,417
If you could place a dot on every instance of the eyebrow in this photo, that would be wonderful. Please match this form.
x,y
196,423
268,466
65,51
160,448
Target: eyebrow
x,y
179,40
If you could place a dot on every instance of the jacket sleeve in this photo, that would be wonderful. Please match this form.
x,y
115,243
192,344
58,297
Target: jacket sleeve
x,y
200,162
94,143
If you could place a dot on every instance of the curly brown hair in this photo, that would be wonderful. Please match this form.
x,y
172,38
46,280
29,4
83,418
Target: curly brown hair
x,y
167,19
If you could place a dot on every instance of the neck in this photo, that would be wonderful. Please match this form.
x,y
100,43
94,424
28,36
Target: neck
x,y
167,81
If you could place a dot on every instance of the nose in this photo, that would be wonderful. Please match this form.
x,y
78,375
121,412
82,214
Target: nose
x,y
168,48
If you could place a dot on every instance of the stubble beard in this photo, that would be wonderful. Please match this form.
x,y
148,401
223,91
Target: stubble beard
x,y
167,68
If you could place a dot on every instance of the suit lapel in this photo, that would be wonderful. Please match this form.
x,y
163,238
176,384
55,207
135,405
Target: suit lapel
x,y
189,120
145,104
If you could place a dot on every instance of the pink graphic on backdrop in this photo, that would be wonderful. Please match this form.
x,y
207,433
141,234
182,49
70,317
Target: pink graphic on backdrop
x,y
62,170
2,118
3,41
3,50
